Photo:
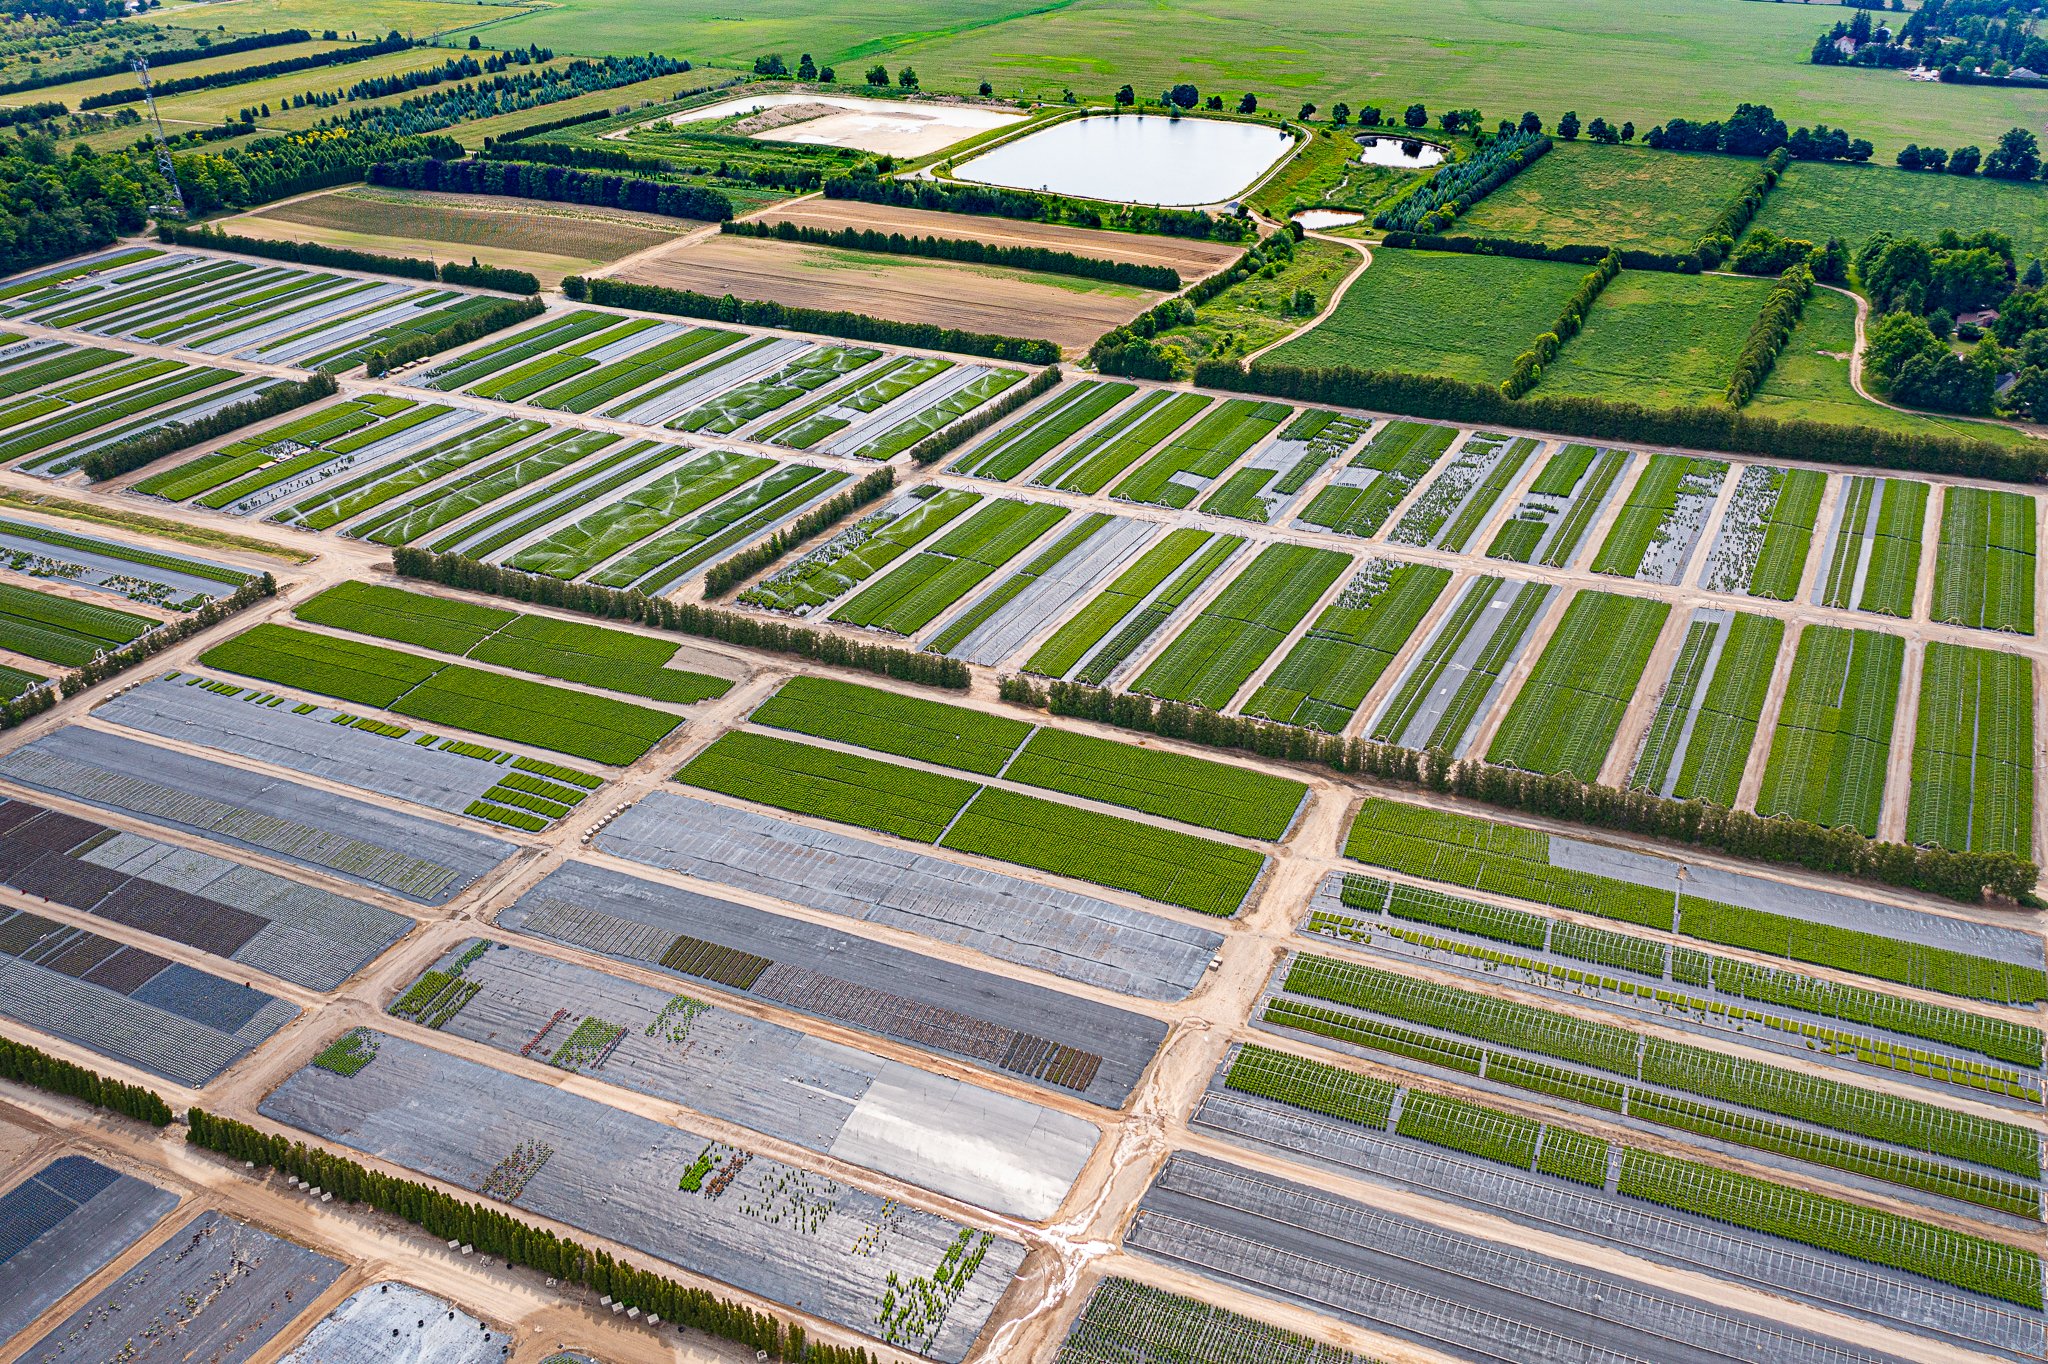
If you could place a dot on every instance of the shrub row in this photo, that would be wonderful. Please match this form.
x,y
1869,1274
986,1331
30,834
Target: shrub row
x,y
556,184
950,438
1529,364
572,154
654,298
298,253
1570,254
1457,185
132,452
460,332
32,113
943,197
1128,349
687,618
493,1232
1716,427
1769,333
182,85
735,569
1718,240
1967,877
25,1065
1041,258
167,56
480,276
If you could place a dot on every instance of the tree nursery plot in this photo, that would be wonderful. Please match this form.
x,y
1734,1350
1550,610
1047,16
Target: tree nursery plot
x,y
1325,677
912,596
1658,338
1237,631
1135,604
1427,312
1984,562
1872,559
1834,733
1363,494
1973,751
855,554
1565,717
1560,507
1699,741
1630,197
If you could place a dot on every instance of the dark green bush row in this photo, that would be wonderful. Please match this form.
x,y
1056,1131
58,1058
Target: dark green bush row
x,y
1041,258
1574,255
479,276
950,438
572,154
166,56
1457,185
1529,364
493,1232
735,569
32,113
1129,349
182,85
1769,333
132,452
416,345
653,298
1712,428
688,618
1715,244
162,637
942,197
506,93
556,184
25,1065
299,253
1963,876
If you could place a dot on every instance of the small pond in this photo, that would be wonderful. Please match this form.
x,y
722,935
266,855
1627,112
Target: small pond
x,y
1408,153
1323,219
1135,159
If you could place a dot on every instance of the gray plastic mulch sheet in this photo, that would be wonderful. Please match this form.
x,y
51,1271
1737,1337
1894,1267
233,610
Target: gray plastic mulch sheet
x,y
61,1226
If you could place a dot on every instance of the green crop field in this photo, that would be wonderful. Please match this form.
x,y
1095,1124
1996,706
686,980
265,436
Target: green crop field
x,y
1625,196
1202,452
1022,445
1560,507
1361,497
1053,552
1984,561
1090,463
1973,752
59,630
1879,538
911,597
1817,200
1236,632
1490,613
1566,715
1650,515
859,552
1700,738
1428,312
1828,757
1326,676
1086,628
1658,338
890,722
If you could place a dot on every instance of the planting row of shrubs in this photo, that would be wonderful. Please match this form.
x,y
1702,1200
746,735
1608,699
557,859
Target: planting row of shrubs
x,y
25,1065
182,85
950,438
1458,185
1769,333
942,197
342,258
1716,427
688,618
1718,240
132,452
730,572
418,345
1963,876
1529,364
1527,250
554,184
1041,258
853,326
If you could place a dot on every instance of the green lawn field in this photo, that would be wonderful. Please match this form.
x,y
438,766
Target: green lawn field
x,y
1613,196
1659,338
1428,312
1816,200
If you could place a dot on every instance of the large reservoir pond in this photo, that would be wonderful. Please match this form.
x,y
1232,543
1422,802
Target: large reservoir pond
x,y
1135,159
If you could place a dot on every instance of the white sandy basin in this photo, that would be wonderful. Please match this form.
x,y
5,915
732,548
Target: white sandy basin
x,y
892,127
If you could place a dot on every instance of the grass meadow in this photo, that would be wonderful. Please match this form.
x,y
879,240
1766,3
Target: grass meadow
x,y
1429,312
1817,200
1659,338
1618,196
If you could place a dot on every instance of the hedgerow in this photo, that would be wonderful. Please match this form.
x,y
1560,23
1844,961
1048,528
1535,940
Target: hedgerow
x,y
1769,333
132,452
1043,259
1457,185
1529,364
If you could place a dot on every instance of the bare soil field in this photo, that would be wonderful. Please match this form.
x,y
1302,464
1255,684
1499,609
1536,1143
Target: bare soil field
x,y
1072,312
1194,259
551,240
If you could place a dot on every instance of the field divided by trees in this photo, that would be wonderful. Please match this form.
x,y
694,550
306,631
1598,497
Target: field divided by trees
x,y
1629,197
1657,338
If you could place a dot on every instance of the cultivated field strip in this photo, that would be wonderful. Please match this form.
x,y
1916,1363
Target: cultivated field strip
x,y
1017,447
1089,464
783,1232
995,1021
1566,716
1448,1290
1699,740
1454,506
1766,533
1561,1180
1662,519
215,1289
1984,560
1326,675
53,437
1018,608
175,582
370,755
1233,635
1063,933
395,1323
853,555
914,593
1271,480
1938,952
1117,625
61,630
1126,1322
957,1139
1830,752
1973,752
1452,682
62,1225
1550,524
1364,493
296,932
1187,465
1872,558
417,858
1769,1008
